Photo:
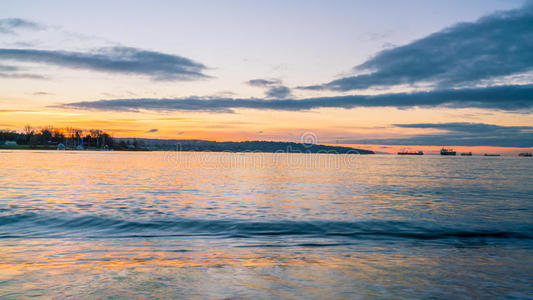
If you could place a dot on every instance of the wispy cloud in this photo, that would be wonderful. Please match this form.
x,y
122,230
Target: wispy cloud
x,y
497,45
124,60
11,25
152,130
14,72
461,134
6,68
41,93
15,111
263,82
21,76
274,87
500,97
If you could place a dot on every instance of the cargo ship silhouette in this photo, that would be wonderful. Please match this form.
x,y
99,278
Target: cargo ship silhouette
x,y
410,153
445,151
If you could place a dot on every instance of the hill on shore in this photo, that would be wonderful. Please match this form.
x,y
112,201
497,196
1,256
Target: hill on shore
x,y
245,146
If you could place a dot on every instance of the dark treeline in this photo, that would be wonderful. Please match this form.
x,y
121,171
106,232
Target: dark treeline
x,y
265,146
52,137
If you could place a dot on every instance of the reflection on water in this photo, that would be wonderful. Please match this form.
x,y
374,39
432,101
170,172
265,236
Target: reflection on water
x,y
215,225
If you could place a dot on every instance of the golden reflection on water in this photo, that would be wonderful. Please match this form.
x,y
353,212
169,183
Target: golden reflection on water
x,y
78,268
50,261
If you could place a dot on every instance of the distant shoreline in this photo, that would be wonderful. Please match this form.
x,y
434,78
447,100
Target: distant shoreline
x,y
148,145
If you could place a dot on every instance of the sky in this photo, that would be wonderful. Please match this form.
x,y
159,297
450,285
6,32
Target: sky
x,y
381,75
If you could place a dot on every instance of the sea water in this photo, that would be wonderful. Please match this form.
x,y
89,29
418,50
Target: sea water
x,y
202,225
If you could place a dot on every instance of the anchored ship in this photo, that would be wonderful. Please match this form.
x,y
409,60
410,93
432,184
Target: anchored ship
x,y
445,151
410,153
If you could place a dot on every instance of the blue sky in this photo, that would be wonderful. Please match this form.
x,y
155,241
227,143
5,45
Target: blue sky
x,y
303,42
303,50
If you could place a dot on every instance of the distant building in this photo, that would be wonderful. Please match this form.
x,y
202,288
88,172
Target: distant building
x,y
60,146
10,143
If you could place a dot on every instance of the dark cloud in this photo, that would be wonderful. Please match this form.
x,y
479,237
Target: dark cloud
x,y
152,130
278,92
501,97
263,82
497,45
11,25
461,134
274,87
125,60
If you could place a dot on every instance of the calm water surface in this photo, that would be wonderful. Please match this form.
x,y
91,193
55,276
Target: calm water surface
x,y
216,225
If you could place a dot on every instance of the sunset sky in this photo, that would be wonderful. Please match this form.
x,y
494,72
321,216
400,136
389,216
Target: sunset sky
x,y
417,75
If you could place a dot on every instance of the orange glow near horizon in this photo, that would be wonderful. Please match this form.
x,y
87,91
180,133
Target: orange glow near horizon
x,y
329,125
